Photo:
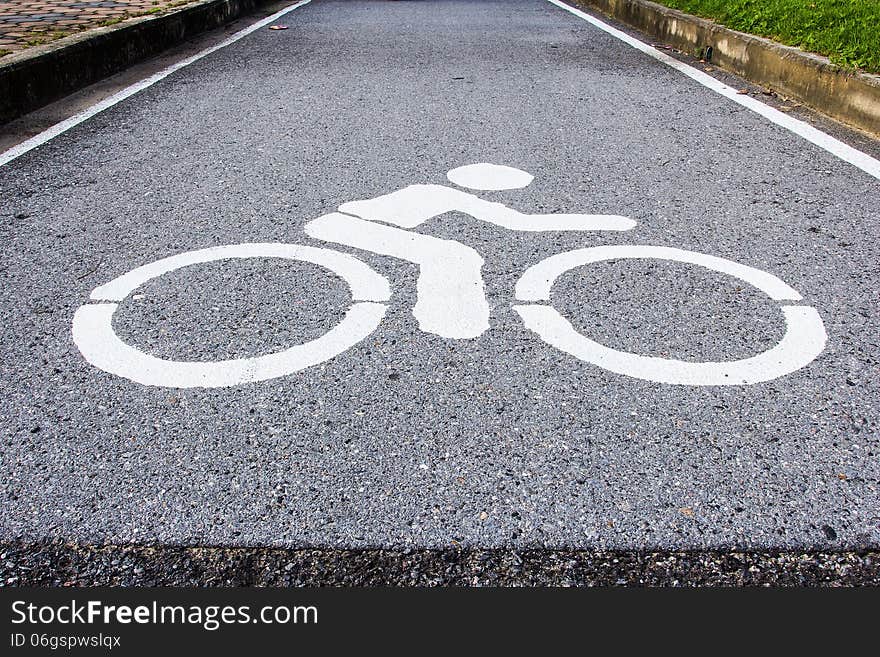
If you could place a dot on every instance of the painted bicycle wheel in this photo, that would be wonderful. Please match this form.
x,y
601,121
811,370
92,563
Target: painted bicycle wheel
x,y
803,341
95,337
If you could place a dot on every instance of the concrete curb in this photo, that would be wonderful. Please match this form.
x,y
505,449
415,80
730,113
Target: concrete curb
x,y
849,97
40,75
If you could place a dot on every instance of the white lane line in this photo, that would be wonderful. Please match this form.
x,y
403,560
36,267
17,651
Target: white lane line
x,y
76,119
824,141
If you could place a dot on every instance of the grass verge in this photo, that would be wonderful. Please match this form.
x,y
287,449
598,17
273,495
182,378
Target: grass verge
x,y
846,31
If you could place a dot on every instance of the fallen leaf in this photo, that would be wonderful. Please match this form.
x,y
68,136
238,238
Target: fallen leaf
x,y
278,27
686,510
483,515
742,91
842,477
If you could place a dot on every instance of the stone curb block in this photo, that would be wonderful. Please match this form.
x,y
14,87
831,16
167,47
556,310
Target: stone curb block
x,y
40,75
849,97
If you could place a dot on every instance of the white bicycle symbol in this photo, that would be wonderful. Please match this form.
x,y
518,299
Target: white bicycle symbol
x,y
451,298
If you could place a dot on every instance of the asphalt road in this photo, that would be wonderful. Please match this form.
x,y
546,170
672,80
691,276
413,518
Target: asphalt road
x,y
410,439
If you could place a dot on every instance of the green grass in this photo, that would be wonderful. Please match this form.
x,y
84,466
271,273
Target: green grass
x,y
847,31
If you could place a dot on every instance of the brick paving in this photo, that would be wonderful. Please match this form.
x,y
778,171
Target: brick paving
x,y
26,23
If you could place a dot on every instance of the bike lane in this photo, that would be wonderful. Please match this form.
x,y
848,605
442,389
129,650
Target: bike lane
x,y
412,438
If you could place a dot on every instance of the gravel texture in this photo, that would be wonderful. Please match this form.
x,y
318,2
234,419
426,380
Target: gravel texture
x,y
62,564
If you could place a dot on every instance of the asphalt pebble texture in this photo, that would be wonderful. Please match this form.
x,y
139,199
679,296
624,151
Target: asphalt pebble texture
x,y
57,563
409,440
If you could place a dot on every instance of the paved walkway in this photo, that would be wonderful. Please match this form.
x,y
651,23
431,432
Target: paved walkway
x,y
26,23
508,376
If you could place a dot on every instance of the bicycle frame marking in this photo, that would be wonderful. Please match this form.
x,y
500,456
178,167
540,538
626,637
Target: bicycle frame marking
x,y
451,298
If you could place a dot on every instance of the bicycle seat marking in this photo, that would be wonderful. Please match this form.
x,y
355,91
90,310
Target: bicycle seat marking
x,y
451,301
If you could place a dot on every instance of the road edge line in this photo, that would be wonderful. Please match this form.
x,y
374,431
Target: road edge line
x,y
38,75
849,96
63,126
826,142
